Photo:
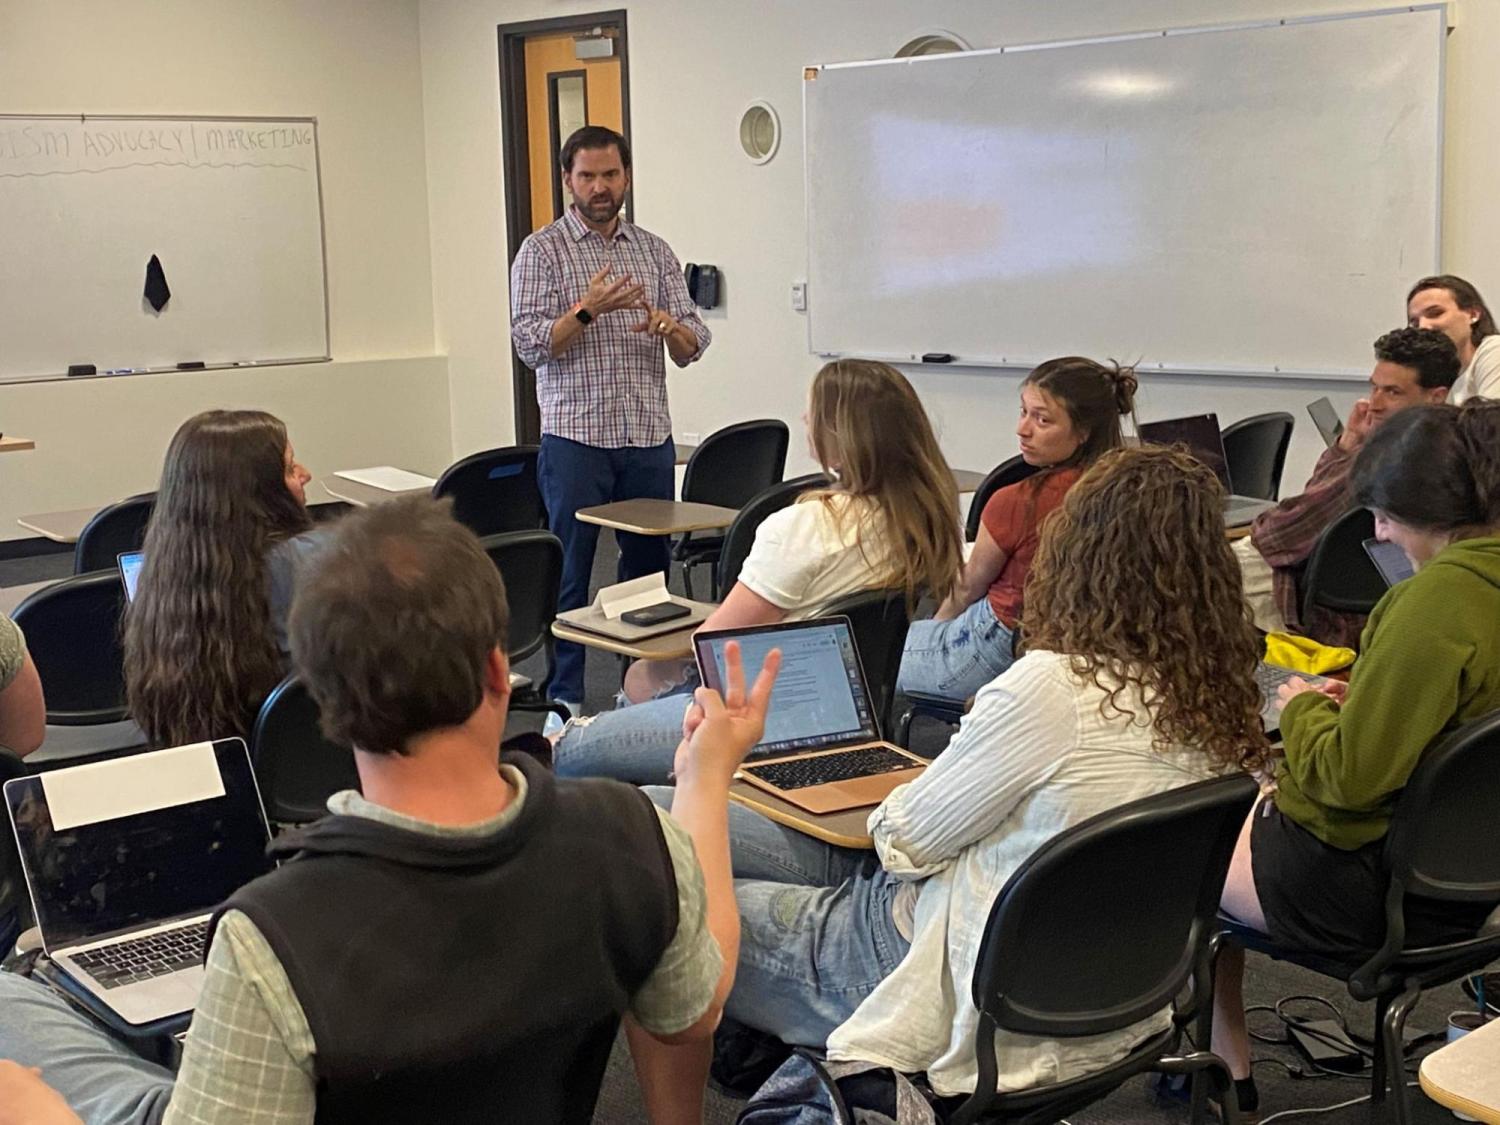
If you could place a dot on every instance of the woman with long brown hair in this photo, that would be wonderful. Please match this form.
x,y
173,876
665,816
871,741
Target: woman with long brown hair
x,y
889,521
1139,678
1070,417
205,637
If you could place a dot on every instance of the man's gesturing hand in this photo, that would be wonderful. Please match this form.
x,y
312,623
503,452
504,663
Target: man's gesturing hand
x,y
717,732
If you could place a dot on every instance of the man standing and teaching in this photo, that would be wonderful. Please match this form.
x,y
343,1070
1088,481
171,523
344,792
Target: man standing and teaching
x,y
593,301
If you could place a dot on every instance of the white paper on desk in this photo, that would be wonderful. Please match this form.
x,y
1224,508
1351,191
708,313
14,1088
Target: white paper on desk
x,y
387,478
638,593
126,786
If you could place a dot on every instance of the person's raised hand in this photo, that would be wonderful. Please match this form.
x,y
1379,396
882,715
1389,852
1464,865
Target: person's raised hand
x,y
26,1100
605,295
719,731
658,322
1358,427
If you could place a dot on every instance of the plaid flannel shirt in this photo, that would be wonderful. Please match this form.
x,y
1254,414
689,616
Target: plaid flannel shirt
x,y
609,389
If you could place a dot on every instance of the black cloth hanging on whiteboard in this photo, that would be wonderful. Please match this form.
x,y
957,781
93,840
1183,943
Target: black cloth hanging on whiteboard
x,y
156,284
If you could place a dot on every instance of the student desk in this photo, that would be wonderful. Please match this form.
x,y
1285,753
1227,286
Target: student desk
x,y
1465,1075
13,444
658,517
60,527
845,829
676,645
361,495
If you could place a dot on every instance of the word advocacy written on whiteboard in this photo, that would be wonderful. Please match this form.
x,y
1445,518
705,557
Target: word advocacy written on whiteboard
x,y
37,150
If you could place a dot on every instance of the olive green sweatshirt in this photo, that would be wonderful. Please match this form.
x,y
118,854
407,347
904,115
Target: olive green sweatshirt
x,y
1429,662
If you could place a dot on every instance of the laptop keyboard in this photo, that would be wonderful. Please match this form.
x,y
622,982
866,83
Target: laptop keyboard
x,y
824,768
138,959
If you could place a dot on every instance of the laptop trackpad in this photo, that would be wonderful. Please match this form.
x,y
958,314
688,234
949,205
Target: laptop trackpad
x,y
157,999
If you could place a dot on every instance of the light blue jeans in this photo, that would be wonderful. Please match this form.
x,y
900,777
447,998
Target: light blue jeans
x,y
816,929
97,1075
634,743
954,659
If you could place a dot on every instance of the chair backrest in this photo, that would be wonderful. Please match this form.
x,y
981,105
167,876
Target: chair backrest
x,y
13,896
114,530
1008,472
879,620
530,562
296,768
1255,449
732,465
495,491
741,533
1339,574
1107,921
73,633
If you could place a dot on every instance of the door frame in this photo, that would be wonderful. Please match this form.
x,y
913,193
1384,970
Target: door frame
x,y
515,153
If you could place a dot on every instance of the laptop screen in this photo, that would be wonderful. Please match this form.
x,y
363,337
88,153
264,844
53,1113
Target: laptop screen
x,y
130,572
130,871
1390,560
1200,434
820,698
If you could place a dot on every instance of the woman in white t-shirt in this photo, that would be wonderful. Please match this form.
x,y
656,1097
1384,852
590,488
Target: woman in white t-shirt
x,y
890,521
1454,307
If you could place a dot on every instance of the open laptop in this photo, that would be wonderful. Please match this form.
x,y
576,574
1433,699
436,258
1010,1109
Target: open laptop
x,y
1327,419
1390,560
821,750
1201,434
130,571
126,861
1269,677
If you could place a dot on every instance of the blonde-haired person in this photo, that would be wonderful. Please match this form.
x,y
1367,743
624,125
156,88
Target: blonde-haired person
x,y
1120,695
889,520
1070,417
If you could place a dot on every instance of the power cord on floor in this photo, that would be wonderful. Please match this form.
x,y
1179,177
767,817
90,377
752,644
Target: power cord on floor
x,y
1310,1110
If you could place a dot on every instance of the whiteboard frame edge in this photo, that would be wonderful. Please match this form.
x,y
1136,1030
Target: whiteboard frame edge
x,y
172,369
1020,363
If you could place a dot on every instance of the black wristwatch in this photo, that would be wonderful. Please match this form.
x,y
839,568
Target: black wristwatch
x,y
583,314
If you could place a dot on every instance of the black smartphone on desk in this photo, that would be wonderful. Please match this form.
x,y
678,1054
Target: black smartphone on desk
x,y
654,614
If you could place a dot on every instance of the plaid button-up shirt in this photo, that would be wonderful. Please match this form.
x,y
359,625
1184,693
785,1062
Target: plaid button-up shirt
x,y
609,389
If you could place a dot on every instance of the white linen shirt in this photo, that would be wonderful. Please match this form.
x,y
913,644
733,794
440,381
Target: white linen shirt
x,y
805,556
1034,757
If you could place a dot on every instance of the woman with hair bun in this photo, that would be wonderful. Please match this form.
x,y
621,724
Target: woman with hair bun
x,y
1070,416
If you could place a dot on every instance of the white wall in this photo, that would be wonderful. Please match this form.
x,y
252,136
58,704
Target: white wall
x,y
353,64
696,64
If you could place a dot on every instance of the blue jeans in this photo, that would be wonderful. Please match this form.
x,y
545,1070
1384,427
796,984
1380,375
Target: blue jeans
x,y
572,476
97,1075
954,659
816,929
634,743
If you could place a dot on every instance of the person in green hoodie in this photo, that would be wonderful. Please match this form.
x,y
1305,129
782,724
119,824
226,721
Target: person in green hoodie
x,y
1308,866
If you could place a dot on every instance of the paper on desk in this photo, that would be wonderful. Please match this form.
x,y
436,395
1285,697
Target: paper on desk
x,y
387,478
638,593
135,784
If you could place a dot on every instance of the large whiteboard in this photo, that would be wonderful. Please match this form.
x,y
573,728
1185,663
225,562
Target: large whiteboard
x,y
230,207
1252,198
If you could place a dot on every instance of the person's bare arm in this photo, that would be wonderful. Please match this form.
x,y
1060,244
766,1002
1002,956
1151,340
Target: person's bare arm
x,y
27,1100
978,575
23,710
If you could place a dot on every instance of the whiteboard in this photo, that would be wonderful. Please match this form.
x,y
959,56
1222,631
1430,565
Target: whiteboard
x,y
231,208
1255,198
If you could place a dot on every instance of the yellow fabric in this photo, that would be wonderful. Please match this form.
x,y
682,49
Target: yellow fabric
x,y
1302,654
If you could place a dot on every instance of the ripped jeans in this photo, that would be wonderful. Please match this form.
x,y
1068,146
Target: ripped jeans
x,y
954,659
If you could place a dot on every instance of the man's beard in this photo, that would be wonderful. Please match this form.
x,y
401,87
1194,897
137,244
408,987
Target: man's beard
x,y
601,212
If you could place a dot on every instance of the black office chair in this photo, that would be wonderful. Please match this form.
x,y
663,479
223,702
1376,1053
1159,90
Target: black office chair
x,y
730,468
114,530
878,619
296,768
495,491
530,563
1339,575
1255,449
1440,845
1008,472
740,535
72,631
15,903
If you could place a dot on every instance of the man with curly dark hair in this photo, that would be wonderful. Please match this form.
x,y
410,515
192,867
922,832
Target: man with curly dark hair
x,y
1412,366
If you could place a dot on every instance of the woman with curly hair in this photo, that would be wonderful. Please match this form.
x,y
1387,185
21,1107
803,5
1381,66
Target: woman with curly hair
x,y
205,637
1139,678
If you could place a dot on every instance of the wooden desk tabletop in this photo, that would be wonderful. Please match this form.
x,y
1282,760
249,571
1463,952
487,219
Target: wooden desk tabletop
x,y
663,646
1465,1075
845,829
12,596
658,517
12,444
967,479
360,495
60,527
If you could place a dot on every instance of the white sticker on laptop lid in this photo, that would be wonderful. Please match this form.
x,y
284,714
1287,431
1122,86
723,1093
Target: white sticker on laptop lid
x,y
161,779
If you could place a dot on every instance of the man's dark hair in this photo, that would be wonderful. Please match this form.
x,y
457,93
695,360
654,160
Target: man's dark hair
x,y
1425,350
593,136
1465,296
393,622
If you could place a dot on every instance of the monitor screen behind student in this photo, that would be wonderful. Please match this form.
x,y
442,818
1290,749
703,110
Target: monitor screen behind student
x,y
1200,433
130,572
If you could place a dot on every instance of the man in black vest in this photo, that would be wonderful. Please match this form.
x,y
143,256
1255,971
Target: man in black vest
x,y
459,942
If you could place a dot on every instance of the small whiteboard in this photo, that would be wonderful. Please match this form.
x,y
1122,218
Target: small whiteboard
x,y
231,207
1255,198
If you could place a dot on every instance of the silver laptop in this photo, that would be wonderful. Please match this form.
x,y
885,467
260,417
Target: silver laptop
x,y
1201,434
1269,677
821,748
1390,560
126,861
